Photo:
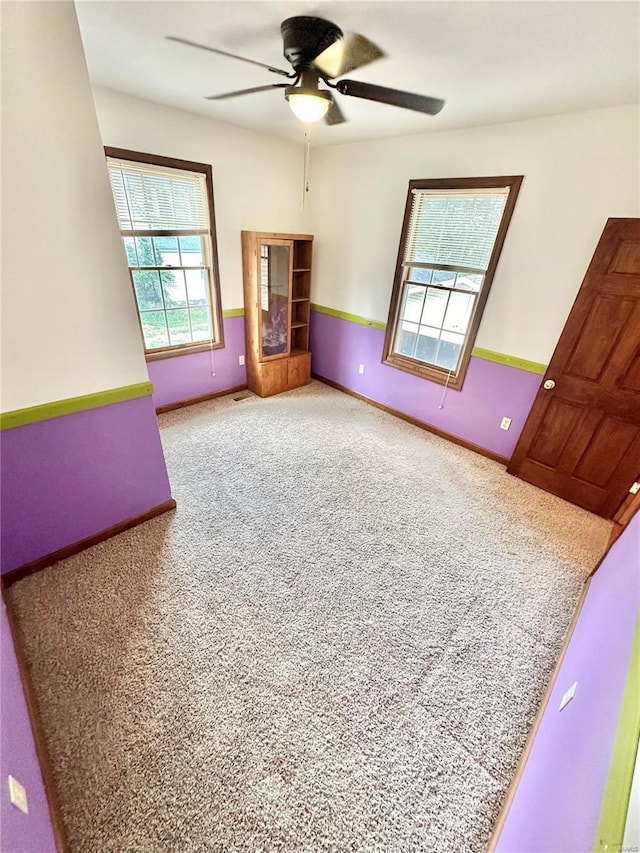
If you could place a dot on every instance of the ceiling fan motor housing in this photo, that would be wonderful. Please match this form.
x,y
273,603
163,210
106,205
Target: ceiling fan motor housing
x,y
305,37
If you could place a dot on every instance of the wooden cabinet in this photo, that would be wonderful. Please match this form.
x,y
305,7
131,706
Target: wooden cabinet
x,y
277,305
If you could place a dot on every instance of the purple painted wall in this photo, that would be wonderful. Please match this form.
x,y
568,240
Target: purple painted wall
x,y
188,376
557,803
490,392
70,477
19,833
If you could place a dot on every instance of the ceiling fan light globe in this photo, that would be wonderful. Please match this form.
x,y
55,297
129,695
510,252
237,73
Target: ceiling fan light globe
x,y
308,108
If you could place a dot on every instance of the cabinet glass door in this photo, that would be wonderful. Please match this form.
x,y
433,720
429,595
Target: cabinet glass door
x,y
275,266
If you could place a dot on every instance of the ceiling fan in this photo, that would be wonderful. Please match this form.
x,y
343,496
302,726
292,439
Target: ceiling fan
x,y
318,50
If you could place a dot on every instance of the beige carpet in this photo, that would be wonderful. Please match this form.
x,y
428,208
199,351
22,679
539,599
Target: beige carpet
x,y
337,643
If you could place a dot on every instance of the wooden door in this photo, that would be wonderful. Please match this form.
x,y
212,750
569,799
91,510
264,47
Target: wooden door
x,y
582,437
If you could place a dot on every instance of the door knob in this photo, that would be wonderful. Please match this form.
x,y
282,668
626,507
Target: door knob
x,y
549,385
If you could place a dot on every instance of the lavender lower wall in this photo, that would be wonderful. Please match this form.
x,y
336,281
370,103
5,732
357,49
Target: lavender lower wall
x,y
491,390
70,477
187,376
19,833
557,803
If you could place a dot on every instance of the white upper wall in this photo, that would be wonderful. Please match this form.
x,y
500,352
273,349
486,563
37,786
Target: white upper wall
x,y
257,179
69,324
579,170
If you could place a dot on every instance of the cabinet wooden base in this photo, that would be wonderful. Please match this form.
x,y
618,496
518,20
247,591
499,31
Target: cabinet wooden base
x,y
280,374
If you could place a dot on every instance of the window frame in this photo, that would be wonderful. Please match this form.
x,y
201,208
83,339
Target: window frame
x,y
432,372
215,301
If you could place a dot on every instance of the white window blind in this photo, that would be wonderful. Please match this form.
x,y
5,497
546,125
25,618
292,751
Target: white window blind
x,y
154,198
454,228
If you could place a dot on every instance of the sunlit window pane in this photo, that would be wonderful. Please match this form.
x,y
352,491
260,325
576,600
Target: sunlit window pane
x,y
154,329
174,288
427,344
434,308
434,319
200,324
166,251
469,281
197,287
179,328
143,256
147,288
407,334
130,249
445,278
448,350
191,251
420,274
413,302
458,312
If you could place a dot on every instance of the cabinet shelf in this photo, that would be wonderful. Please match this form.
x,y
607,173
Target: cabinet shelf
x,y
303,269
300,299
298,325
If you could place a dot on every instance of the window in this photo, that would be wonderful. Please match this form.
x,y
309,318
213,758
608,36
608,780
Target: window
x,y
451,239
165,212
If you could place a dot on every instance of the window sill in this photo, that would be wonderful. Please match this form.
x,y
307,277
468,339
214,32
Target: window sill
x,y
189,349
425,371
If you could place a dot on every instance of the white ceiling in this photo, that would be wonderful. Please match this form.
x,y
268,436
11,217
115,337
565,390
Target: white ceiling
x,y
491,61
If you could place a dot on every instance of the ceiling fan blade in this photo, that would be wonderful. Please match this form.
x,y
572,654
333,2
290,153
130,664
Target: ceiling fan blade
x,y
346,54
334,114
396,97
267,88
230,55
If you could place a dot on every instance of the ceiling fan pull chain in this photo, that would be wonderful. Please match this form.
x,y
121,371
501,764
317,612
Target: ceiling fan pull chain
x,y
307,158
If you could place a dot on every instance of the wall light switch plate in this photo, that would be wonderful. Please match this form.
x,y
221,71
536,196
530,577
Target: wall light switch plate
x,y
506,423
568,696
240,359
18,795
361,368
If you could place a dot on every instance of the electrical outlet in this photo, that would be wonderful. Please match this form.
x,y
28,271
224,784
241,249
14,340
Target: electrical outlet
x,y
240,359
18,795
361,368
506,423
568,696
